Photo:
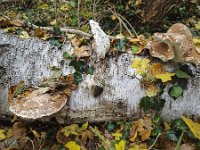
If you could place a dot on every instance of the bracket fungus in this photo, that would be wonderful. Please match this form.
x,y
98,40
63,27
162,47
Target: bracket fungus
x,y
37,102
176,44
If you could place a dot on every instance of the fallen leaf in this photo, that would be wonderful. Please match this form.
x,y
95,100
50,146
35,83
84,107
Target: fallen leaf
x,y
39,32
2,135
72,146
36,134
24,35
71,129
9,133
117,135
151,90
165,77
84,126
53,22
82,51
157,68
186,147
140,65
145,135
133,137
120,145
194,127
19,130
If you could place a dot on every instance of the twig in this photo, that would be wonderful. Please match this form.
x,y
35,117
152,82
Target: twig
x,y
73,31
128,24
121,21
68,30
78,13
154,142
31,143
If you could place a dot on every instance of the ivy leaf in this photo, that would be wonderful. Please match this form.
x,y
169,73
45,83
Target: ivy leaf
x,y
66,55
156,130
56,31
110,127
159,104
170,134
77,77
90,70
182,74
134,49
175,91
78,65
146,103
157,120
178,124
55,42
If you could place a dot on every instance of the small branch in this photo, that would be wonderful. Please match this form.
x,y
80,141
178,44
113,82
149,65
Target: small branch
x,y
78,13
73,31
121,21
154,142
129,24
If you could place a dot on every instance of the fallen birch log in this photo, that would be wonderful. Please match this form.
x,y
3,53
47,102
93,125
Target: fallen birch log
x,y
31,60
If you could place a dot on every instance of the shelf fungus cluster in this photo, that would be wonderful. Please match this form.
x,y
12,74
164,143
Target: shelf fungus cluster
x,y
176,44
37,102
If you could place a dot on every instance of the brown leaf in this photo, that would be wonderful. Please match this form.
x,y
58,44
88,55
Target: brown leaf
x,y
84,137
61,138
145,135
17,22
82,51
90,134
19,130
39,33
186,147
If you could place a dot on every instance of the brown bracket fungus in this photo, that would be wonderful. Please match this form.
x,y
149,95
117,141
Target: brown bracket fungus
x,y
35,103
176,44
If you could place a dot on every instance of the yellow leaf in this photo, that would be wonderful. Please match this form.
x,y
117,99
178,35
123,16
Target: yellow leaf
x,y
36,134
9,133
134,146
145,135
133,137
2,135
197,44
141,65
166,126
151,90
24,35
84,126
43,6
9,29
194,127
197,26
117,136
120,145
72,129
65,7
54,22
72,146
113,17
165,77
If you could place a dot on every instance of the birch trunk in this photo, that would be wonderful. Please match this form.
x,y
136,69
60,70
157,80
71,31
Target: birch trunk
x,y
31,60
